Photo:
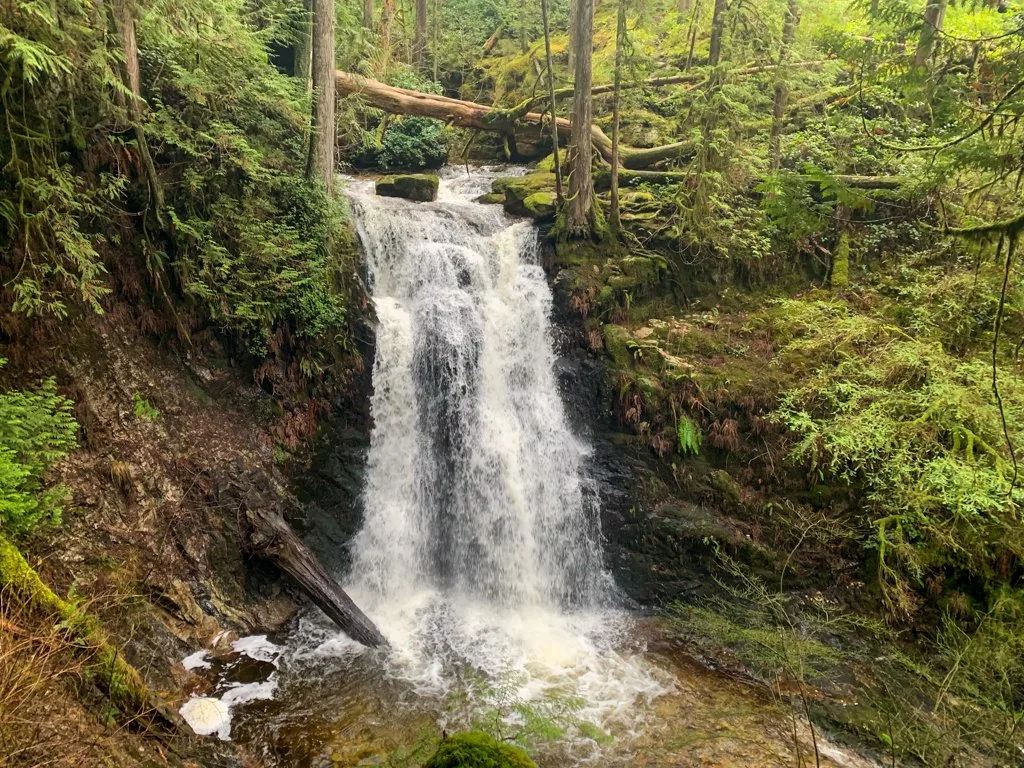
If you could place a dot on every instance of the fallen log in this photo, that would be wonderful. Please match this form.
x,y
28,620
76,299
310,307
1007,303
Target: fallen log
x,y
272,538
468,114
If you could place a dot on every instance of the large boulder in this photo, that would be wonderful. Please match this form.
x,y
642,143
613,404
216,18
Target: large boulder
x,y
420,187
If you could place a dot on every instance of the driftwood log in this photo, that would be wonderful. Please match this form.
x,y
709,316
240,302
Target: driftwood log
x,y
272,538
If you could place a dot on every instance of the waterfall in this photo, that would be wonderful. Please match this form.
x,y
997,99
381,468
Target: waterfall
x,y
475,483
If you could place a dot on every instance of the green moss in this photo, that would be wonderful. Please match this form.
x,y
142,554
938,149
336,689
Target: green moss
x,y
616,344
491,198
540,205
841,262
107,666
518,189
547,165
478,750
421,187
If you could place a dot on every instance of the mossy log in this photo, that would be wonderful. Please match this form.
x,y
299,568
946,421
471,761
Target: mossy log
x,y
272,538
104,662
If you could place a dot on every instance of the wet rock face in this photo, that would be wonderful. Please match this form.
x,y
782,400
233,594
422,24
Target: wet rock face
x,y
419,187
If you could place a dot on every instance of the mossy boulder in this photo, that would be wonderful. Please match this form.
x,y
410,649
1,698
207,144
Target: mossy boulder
x,y
540,205
419,187
547,165
477,750
616,344
491,198
517,189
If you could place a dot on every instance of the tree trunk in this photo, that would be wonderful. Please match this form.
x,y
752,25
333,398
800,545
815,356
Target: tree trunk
x,y
419,41
304,47
572,35
551,95
124,22
717,29
580,218
934,15
321,156
620,41
272,538
781,86
368,14
692,34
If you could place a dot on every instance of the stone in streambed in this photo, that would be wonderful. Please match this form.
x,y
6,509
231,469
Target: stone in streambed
x,y
419,187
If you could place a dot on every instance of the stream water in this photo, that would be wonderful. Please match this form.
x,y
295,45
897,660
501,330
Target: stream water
x,y
480,552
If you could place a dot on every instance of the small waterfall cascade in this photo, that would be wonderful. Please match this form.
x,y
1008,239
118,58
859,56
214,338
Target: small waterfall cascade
x,y
475,484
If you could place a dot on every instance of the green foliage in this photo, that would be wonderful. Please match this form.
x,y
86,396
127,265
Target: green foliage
x,y
915,430
477,750
142,409
36,429
410,144
690,435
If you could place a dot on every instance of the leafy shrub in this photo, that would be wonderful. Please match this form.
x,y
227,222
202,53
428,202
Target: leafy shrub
x,y
409,144
36,429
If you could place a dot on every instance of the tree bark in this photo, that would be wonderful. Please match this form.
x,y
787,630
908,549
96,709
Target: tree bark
x,y
934,16
124,22
368,14
419,41
789,26
580,217
304,46
551,95
272,538
321,156
620,41
717,30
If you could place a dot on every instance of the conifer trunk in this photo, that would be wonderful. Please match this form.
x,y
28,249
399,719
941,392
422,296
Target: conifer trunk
x,y
368,14
934,16
789,26
620,40
580,217
419,42
717,30
304,47
551,97
124,21
321,156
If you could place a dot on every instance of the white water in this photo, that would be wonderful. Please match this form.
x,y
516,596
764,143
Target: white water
x,y
481,542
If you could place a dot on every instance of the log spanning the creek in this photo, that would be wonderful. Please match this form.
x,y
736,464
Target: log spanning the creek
x,y
468,114
272,538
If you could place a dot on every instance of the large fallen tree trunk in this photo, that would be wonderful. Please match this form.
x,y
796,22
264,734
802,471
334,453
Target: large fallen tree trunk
x,y
272,538
468,114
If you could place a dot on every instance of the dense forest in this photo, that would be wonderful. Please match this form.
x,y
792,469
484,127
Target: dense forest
x,y
786,233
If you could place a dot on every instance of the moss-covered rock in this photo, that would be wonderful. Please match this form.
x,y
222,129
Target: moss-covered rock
x,y
420,187
547,165
540,205
491,198
517,189
616,344
477,750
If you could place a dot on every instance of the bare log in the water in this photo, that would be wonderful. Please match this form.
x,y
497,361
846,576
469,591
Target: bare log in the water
x,y
271,537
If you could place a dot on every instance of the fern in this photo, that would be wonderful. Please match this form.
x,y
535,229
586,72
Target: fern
x,y
690,436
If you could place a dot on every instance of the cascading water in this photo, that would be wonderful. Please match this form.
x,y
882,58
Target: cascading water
x,y
481,544
474,480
